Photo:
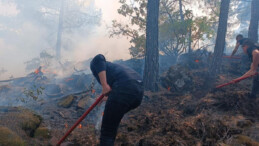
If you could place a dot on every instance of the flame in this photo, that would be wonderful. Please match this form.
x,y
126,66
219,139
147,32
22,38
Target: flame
x,y
197,61
66,126
69,79
169,88
36,71
93,91
44,71
80,126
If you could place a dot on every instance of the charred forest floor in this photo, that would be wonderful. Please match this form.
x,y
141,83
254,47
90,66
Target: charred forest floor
x,y
187,111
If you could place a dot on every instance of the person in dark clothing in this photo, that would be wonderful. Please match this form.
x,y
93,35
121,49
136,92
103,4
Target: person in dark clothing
x,y
239,41
244,59
125,91
253,53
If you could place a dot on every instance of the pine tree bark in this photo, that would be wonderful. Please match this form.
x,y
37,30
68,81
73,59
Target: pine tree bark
x,y
253,27
60,30
151,70
181,10
190,39
221,39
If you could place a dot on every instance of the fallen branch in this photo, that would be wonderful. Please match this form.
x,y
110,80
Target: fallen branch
x,y
235,81
54,95
82,92
12,79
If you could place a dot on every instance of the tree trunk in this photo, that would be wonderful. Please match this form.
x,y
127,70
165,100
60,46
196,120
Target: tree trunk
x,y
190,40
181,10
151,70
60,29
253,27
221,39
190,29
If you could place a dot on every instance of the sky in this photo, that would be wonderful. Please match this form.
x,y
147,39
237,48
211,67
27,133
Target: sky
x,y
13,53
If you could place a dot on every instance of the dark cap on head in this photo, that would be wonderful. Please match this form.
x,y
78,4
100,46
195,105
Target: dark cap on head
x,y
239,36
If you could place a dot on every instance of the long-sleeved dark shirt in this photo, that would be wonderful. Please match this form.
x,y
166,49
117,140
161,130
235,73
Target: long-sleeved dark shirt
x,y
243,40
115,73
252,46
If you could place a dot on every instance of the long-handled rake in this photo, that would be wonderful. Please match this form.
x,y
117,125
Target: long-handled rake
x,y
233,82
81,118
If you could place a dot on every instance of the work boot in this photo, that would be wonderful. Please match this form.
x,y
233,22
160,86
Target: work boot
x,y
106,142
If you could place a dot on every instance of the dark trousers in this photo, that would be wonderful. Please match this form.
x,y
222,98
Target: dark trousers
x,y
255,87
123,98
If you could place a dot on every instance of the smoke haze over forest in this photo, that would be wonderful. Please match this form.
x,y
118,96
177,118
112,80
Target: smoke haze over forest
x,y
22,39
23,36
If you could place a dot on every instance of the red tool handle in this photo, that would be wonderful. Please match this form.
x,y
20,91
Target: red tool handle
x,y
80,119
219,86
233,82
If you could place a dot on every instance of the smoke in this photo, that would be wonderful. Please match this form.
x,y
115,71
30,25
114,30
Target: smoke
x,y
8,9
23,37
19,46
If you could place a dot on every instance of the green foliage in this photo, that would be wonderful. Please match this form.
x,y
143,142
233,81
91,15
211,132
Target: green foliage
x,y
139,44
135,30
174,35
202,26
34,92
136,11
214,7
173,32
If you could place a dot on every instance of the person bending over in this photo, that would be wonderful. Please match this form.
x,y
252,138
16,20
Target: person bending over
x,y
239,41
253,53
125,91
244,62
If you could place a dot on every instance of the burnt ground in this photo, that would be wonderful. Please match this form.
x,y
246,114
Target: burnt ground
x,y
186,111
164,119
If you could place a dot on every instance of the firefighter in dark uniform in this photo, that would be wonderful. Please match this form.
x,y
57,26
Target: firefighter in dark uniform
x,y
252,51
125,91
239,41
244,62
